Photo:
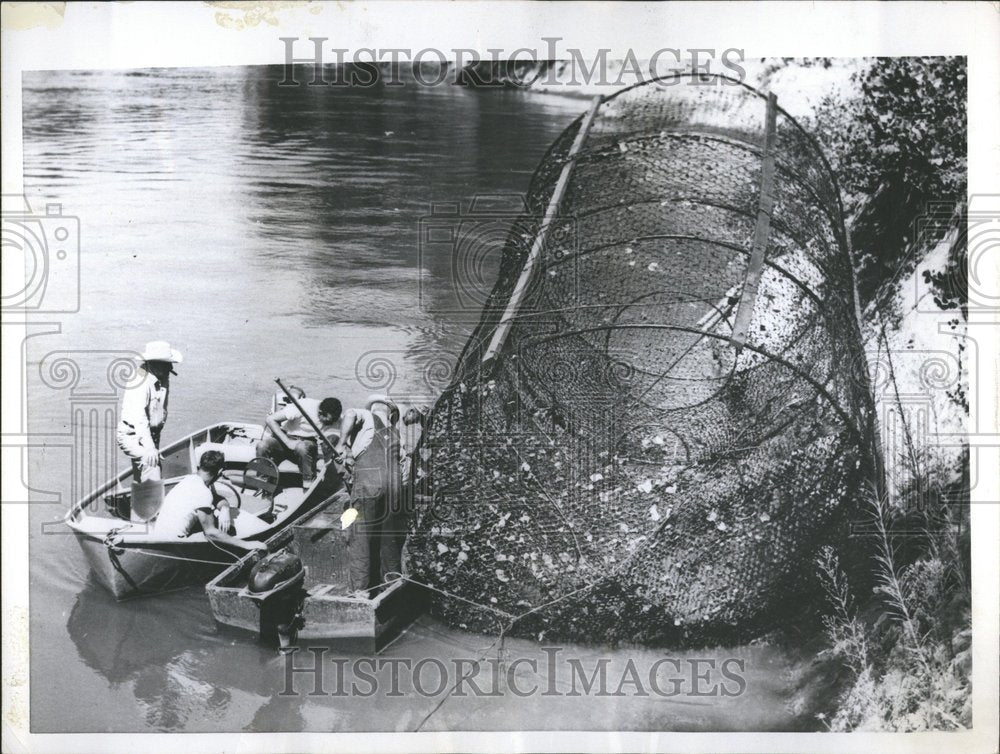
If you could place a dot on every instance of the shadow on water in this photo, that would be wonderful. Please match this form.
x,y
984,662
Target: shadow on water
x,y
206,679
121,639
181,672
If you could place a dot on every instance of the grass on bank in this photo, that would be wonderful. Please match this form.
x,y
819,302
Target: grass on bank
x,y
907,647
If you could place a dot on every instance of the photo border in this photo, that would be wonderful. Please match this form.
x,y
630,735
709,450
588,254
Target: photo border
x,y
200,34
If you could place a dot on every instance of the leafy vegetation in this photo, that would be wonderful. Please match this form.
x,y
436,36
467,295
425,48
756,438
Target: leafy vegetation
x,y
898,146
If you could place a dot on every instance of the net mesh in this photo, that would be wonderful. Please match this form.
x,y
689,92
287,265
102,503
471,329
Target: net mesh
x,y
620,471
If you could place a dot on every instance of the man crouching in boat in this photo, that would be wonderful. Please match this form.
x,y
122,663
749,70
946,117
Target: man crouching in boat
x,y
194,504
292,436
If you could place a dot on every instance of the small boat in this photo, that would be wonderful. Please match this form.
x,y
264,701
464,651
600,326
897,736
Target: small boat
x,y
310,601
125,553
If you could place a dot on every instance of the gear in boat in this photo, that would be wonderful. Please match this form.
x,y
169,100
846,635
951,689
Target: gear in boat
x,y
130,558
301,592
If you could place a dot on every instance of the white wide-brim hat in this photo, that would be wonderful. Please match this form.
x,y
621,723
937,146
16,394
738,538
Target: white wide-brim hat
x,y
160,350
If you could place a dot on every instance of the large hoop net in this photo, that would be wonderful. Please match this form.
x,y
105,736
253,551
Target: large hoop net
x,y
624,465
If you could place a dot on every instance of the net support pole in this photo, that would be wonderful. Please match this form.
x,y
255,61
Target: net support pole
x,y
531,261
762,229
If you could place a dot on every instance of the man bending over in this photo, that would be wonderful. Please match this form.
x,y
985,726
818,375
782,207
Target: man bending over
x,y
193,504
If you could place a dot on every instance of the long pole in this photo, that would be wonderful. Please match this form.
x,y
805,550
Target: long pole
x,y
534,255
762,228
319,432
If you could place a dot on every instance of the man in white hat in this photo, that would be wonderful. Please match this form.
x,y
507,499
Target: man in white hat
x,y
144,409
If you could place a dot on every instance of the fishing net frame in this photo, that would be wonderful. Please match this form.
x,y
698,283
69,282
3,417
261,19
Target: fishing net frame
x,y
664,411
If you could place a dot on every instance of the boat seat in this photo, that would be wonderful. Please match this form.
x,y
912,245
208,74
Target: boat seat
x,y
239,455
235,454
261,475
286,499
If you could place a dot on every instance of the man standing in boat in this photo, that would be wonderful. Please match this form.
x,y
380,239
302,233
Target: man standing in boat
x,y
144,410
293,438
370,445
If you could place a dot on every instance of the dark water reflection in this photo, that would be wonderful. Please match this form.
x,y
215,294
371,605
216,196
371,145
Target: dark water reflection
x,y
264,231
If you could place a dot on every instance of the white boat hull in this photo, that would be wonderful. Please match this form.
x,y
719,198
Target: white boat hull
x,y
130,561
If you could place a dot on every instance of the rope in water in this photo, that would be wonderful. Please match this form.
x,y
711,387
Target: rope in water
x,y
509,616
462,599
500,636
186,559
511,619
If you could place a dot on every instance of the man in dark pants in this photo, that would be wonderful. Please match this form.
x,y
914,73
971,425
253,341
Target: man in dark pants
x,y
375,539
291,435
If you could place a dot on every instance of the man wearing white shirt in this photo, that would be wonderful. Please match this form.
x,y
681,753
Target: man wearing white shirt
x,y
357,429
144,410
194,505
292,436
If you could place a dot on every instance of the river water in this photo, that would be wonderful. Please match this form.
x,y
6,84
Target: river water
x,y
276,231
